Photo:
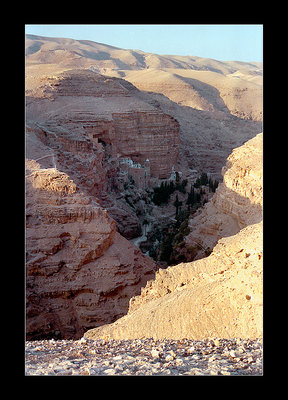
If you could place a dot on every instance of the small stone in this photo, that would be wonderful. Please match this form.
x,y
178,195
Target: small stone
x,y
191,350
109,371
170,357
195,371
224,372
117,358
155,353
213,372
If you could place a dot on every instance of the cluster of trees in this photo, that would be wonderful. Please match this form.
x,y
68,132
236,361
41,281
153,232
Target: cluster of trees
x,y
161,194
170,241
204,180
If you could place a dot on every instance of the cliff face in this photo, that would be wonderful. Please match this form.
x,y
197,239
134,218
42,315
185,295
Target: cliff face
x,y
216,296
155,137
85,109
92,123
238,199
80,271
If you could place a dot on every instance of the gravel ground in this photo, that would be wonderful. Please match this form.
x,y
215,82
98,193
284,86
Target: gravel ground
x,y
144,357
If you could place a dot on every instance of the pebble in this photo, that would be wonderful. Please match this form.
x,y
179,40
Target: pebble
x,y
144,357
155,353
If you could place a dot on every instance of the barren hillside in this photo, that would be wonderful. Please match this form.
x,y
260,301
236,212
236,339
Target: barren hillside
x,y
201,83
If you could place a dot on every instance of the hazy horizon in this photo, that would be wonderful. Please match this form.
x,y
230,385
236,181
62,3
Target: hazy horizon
x,y
221,42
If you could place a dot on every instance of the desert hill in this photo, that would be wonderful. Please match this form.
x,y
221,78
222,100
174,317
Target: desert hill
x,y
201,83
49,50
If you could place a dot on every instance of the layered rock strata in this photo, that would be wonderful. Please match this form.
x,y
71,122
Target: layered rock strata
x,y
80,271
84,108
92,123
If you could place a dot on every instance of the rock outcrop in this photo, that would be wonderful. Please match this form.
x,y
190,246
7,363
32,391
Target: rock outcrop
x,y
216,296
81,109
92,124
237,202
80,271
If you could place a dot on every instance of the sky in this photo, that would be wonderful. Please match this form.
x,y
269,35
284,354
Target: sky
x,y
221,42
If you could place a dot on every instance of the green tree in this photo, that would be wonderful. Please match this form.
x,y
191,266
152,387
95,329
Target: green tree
x,y
204,179
197,184
211,184
216,183
162,193
166,248
177,204
191,198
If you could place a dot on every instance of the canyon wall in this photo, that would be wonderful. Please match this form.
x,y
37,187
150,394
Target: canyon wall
x,y
84,106
155,137
216,296
237,202
80,271
91,123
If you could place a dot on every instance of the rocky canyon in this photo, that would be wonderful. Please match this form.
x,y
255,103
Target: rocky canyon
x,y
105,127
215,296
